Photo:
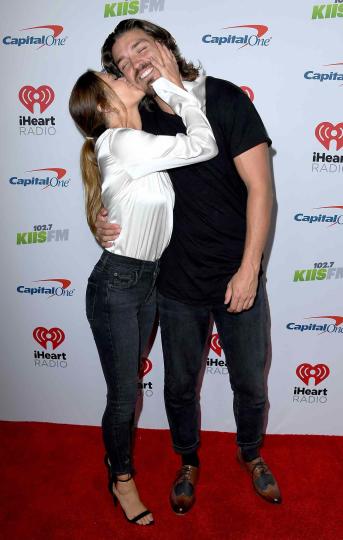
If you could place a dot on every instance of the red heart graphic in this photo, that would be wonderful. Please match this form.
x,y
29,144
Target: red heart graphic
x,y
248,92
215,344
43,336
44,95
327,132
319,372
146,366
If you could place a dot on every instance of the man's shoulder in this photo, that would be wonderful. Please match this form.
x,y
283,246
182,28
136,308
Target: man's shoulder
x,y
222,87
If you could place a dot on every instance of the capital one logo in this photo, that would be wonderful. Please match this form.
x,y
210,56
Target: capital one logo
x,y
243,39
327,132
318,373
43,336
43,95
215,344
40,37
49,291
255,39
146,366
53,177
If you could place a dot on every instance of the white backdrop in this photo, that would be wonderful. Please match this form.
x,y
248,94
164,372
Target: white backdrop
x,y
291,62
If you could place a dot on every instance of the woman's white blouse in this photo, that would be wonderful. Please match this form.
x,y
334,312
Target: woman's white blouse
x,y
136,192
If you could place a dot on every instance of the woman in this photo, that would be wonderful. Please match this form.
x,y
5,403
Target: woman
x,y
122,168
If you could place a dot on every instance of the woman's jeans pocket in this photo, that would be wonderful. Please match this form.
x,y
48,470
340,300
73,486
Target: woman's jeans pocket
x,y
123,279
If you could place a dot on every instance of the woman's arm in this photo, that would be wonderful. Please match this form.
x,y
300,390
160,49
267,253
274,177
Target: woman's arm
x,y
141,153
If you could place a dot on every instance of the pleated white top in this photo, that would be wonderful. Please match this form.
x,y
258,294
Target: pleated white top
x,y
136,192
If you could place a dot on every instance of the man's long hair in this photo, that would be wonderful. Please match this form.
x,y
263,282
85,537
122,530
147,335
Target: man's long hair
x,y
188,70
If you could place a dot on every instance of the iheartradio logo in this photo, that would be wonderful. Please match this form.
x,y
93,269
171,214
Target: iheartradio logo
x,y
318,373
215,344
43,95
146,366
249,92
43,336
327,132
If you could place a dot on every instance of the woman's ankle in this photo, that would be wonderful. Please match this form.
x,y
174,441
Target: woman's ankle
x,y
126,477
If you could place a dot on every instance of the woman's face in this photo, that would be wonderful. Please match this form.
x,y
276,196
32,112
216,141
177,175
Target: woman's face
x,y
130,95
122,97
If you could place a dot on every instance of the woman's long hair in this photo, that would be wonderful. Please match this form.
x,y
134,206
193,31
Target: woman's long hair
x,y
88,99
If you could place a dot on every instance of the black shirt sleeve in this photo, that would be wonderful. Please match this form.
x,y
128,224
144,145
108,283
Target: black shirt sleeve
x,y
241,124
247,128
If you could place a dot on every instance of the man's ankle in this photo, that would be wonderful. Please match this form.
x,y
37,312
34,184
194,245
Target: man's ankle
x,y
248,454
191,458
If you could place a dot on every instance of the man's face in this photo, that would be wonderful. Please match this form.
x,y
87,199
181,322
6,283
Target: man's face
x,y
132,52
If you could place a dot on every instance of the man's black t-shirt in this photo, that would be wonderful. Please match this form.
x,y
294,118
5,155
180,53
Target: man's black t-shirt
x,y
208,237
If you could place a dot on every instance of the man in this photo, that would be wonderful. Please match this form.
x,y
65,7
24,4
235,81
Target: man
x,y
212,266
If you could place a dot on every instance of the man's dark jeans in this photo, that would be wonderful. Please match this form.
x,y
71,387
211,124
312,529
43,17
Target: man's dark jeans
x,y
121,309
243,337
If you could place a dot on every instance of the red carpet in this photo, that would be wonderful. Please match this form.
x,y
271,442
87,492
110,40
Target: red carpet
x,y
53,486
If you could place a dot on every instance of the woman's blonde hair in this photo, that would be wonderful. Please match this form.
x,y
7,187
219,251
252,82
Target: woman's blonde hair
x,y
88,100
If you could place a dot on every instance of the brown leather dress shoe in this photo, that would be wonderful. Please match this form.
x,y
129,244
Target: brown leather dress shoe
x,y
262,478
182,495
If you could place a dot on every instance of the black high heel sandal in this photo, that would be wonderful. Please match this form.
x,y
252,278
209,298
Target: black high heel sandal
x,y
111,482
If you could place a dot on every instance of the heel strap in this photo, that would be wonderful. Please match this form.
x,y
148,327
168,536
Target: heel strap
x,y
122,480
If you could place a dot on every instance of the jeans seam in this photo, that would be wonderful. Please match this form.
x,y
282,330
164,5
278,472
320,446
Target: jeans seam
x,y
109,333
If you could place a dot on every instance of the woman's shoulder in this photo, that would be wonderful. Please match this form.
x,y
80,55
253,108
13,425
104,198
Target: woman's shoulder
x,y
109,136
119,143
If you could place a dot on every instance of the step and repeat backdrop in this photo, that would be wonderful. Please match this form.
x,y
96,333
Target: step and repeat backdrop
x,y
289,59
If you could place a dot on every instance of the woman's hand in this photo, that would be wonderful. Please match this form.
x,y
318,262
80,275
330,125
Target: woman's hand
x,y
167,66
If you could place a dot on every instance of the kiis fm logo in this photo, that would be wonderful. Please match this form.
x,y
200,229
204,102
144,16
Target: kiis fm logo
x,y
42,234
311,375
324,77
49,40
320,271
328,134
329,220
145,387
54,180
36,98
133,7
61,290
253,36
214,366
319,329
55,336
328,11
248,92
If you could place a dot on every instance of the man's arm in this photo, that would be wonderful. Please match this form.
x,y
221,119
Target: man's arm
x,y
254,169
106,232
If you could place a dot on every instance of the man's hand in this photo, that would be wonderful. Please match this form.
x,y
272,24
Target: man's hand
x,y
241,289
106,232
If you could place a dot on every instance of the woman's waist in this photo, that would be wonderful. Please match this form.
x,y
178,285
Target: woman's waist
x,y
110,262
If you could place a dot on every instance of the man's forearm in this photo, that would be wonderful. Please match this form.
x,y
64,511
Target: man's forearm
x,y
259,208
254,168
